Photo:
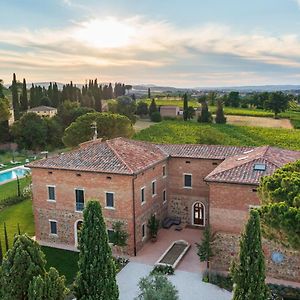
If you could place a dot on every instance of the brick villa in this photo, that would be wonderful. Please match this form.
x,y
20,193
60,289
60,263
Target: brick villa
x,y
134,179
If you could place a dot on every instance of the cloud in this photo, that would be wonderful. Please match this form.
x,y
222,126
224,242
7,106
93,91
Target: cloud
x,y
138,49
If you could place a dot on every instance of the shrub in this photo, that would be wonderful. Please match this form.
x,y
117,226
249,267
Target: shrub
x,y
155,117
162,270
12,200
219,279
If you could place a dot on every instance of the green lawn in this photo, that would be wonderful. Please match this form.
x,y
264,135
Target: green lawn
x,y
10,189
193,133
64,261
21,214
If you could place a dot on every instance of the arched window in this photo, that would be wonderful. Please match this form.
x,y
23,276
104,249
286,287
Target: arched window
x,y
77,227
198,214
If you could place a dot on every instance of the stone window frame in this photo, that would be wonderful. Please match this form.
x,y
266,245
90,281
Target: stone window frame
x,y
155,188
164,196
114,201
50,233
48,198
187,174
143,189
76,231
144,231
80,189
107,230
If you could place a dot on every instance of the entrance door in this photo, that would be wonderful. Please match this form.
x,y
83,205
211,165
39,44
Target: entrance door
x,y
198,214
78,225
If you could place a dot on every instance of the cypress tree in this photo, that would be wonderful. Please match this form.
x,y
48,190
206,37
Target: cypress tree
x,y
23,97
5,237
149,93
51,286
19,230
21,264
96,278
205,116
249,272
185,107
152,107
1,253
15,98
220,117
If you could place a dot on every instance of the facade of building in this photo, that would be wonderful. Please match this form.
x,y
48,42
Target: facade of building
x,y
44,111
201,184
169,111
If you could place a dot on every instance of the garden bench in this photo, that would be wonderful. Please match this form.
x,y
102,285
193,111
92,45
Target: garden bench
x,y
169,221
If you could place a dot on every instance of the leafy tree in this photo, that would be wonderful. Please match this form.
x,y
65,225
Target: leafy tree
x,y
220,117
54,132
212,98
280,195
277,102
4,110
51,286
152,107
142,109
205,116
185,107
5,237
24,97
155,117
109,126
30,132
15,97
96,278
190,113
157,287
21,264
46,101
205,248
120,236
249,272
124,105
234,99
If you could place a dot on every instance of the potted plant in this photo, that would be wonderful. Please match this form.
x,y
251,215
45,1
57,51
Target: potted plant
x,y
153,224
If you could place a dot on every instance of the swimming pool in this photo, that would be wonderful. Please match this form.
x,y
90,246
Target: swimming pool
x,y
11,174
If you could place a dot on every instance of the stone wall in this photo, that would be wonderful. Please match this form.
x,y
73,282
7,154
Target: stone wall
x,y
226,247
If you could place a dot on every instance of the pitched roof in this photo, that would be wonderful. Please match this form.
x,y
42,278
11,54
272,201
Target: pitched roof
x,y
241,168
119,155
42,108
202,151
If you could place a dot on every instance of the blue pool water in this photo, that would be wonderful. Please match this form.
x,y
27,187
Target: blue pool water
x,y
12,174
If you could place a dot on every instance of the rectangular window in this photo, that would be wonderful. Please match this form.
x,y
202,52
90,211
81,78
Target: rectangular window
x,y
164,171
164,196
51,193
110,200
53,227
110,234
143,195
79,194
153,188
143,231
188,180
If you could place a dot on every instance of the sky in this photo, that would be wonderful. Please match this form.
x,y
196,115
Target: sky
x,y
182,43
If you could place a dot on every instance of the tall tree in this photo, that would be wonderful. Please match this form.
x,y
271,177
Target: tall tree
x,y
185,107
205,248
249,272
21,263
205,116
51,286
23,97
149,93
1,253
1,89
152,107
277,102
234,99
280,195
96,278
220,117
5,237
15,97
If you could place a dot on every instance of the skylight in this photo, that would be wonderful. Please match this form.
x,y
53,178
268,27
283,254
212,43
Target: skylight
x,y
242,158
248,151
260,167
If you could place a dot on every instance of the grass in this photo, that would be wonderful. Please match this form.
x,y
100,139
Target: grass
x,y
64,261
193,133
10,189
21,214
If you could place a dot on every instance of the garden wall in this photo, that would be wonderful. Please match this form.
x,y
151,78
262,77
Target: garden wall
x,y
226,247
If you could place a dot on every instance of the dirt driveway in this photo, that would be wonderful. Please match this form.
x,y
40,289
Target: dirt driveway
x,y
259,122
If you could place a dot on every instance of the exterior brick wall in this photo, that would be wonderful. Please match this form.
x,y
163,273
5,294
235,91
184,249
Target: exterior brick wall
x,y
230,204
181,200
226,247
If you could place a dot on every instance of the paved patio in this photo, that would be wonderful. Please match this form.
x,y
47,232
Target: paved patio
x,y
151,252
188,284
